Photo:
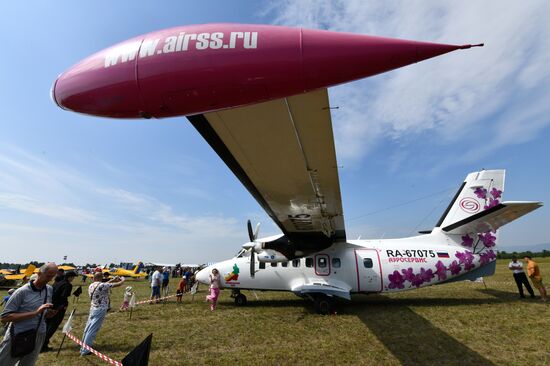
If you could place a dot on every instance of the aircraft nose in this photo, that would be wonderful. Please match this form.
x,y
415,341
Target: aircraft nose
x,y
202,276
104,84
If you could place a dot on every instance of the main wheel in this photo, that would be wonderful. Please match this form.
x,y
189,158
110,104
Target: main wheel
x,y
240,300
323,304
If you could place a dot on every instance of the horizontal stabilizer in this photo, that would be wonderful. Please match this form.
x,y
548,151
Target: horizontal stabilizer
x,y
493,218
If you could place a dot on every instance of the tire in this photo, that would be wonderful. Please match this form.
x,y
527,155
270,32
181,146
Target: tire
x,y
240,300
324,305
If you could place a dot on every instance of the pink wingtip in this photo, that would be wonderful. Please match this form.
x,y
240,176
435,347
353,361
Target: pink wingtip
x,y
466,46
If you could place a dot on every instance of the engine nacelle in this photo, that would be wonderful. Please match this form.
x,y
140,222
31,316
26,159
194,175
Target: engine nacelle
x,y
271,256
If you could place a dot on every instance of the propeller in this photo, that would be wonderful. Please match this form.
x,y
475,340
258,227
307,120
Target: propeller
x,y
250,246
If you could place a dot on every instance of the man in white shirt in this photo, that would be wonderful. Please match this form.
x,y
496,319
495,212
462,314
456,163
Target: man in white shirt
x,y
519,276
99,292
156,282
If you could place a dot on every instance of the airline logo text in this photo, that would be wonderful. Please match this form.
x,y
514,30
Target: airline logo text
x,y
181,43
409,255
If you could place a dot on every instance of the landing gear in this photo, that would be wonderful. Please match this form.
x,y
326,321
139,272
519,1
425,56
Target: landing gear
x,y
240,299
324,304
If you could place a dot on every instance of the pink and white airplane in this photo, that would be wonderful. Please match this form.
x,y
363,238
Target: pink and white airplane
x,y
258,96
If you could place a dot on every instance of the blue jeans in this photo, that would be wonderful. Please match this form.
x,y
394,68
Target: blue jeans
x,y
95,320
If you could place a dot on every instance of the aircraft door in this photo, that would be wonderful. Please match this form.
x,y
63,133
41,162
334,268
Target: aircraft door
x,y
369,276
322,265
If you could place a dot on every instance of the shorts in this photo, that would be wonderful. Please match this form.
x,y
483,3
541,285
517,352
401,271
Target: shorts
x,y
164,283
179,293
537,282
156,291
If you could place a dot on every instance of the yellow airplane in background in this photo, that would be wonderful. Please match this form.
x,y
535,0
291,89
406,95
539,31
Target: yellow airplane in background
x,y
12,280
36,270
136,272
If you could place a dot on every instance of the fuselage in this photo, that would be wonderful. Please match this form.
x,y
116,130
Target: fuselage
x,y
361,266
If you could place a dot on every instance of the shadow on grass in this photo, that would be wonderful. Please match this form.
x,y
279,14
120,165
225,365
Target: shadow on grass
x,y
504,296
412,339
367,300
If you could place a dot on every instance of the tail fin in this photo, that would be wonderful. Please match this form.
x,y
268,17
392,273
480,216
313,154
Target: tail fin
x,y
138,268
30,270
480,191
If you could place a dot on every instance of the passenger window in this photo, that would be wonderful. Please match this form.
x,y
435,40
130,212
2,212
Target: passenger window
x,y
273,264
367,262
321,262
262,265
336,262
284,264
309,262
296,263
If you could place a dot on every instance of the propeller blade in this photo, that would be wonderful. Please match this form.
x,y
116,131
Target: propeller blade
x,y
256,231
250,233
252,263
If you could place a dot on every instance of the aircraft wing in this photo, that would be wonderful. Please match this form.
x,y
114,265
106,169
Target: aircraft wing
x,y
283,153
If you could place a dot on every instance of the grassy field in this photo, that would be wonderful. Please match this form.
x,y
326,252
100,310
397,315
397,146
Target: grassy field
x,y
456,324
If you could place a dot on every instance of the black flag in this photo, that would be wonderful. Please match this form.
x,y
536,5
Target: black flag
x,y
78,291
139,356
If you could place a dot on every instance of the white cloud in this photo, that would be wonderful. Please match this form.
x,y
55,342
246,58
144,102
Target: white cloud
x,y
448,97
47,205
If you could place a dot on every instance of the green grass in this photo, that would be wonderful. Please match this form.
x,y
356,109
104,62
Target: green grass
x,y
454,324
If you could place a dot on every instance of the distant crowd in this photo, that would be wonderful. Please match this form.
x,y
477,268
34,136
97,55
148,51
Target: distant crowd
x,y
33,313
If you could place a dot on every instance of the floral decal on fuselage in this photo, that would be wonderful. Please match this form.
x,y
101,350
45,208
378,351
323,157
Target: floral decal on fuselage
x,y
465,261
487,238
479,252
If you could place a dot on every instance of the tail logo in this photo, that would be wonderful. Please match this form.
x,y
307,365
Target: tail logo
x,y
469,205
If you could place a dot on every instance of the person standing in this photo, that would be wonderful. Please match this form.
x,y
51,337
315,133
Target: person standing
x,y
165,280
26,310
99,294
62,290
519,276
533,272
214,289
156,281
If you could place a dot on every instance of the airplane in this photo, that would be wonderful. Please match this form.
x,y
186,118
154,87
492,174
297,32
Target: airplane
x,y
258,95
136,272
66,268
13,280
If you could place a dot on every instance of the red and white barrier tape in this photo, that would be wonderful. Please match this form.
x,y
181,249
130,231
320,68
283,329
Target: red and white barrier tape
x,y
88,348
154,300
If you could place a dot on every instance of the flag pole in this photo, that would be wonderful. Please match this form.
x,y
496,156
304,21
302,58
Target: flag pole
x,y
69,319
61,345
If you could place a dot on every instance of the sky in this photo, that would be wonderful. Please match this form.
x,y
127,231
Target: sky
x,y
102,190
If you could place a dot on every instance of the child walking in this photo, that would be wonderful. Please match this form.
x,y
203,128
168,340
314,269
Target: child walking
x,y
180,290
214,289
127,296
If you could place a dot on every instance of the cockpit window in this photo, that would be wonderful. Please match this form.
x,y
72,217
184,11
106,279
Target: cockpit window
x,y
242,253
